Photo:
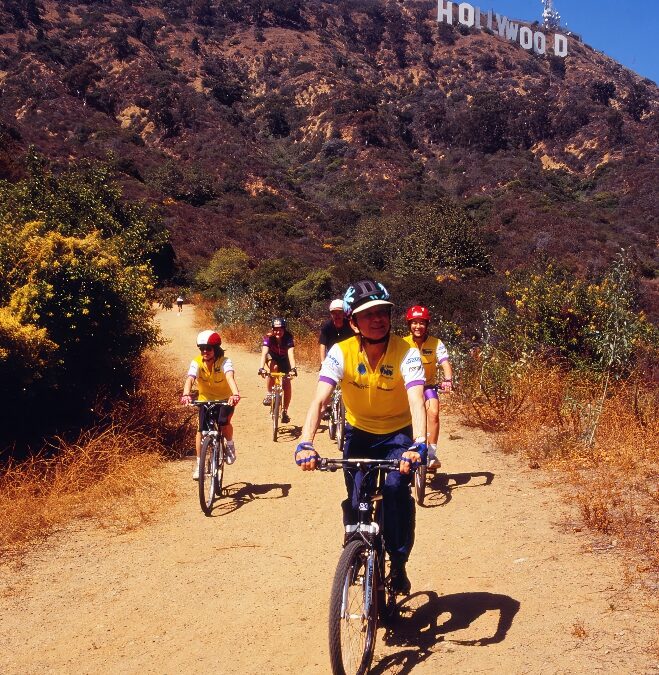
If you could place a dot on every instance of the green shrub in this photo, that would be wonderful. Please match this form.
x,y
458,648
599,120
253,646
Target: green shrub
x,y
427,238
75,284
227,269
591,325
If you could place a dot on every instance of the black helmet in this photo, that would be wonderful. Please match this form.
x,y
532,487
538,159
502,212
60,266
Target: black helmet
x,y
365,294
278,322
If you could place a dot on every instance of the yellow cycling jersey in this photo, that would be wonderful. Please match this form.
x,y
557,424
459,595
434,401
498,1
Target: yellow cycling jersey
x,y
212,384
375,398
433,351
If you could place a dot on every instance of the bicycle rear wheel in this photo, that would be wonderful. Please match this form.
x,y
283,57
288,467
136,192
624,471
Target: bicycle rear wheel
x,y
276,405
353,615
331,425
340,424
420,484
207,471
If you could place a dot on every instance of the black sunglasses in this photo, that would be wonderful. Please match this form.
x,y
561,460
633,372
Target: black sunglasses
x,y
205,348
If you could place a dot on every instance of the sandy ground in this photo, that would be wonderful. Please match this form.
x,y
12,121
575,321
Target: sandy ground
x,y
501,583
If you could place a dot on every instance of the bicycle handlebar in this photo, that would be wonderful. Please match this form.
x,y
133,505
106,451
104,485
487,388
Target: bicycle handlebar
x,y
200,403
334,464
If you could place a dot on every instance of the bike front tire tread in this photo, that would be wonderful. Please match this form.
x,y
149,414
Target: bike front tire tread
x,y
207,467
352,560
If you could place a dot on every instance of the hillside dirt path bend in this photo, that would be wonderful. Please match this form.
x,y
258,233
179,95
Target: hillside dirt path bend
x,y
500,582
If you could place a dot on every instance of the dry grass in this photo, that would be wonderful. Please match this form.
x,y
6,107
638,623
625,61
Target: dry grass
x,y
109,474
615,478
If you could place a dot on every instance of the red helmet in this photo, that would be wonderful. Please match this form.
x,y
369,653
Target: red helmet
x,y
209,337
417,313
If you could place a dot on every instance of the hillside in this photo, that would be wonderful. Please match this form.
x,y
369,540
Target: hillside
x,y
277,125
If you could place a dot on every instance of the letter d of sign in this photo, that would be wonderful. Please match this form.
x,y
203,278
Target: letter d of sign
x,y
444,13
526,37
466,14
560,45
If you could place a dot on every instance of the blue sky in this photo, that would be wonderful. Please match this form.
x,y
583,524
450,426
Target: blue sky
x,y
627,31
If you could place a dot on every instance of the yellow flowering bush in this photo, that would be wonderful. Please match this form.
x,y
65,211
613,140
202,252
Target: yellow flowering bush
x,y
75,285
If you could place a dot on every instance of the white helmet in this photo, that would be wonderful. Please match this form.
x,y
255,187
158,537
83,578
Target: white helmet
x,y
336,304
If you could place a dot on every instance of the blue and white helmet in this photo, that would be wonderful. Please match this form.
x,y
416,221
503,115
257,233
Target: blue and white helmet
x,y
365,294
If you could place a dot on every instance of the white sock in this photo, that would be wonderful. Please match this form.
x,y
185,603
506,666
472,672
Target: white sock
x,y
432,449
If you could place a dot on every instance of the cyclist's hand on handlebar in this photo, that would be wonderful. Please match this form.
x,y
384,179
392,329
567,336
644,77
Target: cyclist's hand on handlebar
x,y
446,386
263,372
415,456
186,399
293,372
306,456
234,399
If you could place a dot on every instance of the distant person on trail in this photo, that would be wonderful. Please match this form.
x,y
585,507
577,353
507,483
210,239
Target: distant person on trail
x,y
214,375
382,385
278,353
334,330
179,303
433,354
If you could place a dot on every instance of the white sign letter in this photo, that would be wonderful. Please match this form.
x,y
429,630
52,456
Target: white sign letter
x,y
502,25
526,37
445,13
511,31
560,45
539,42
466,14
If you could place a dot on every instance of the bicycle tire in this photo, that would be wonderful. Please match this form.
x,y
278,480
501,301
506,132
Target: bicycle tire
x,y
353,617
276,405
420,484
207,469
219,472
341,425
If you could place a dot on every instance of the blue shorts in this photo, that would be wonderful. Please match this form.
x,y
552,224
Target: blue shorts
x,y
398,505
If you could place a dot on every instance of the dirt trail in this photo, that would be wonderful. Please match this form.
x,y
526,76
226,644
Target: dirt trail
x,y
500,584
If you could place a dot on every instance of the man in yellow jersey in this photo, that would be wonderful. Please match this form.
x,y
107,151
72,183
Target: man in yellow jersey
x,y
382,382
213,373
433,354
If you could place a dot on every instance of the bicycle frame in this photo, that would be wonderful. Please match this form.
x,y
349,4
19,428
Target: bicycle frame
x,y
211,464
361,591
276,400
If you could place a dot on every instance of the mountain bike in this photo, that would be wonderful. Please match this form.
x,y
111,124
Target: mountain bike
x,y
276,399
361,592
213,452
337,421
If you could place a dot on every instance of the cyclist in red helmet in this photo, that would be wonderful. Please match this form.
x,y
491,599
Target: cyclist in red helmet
x,y
433,354
213,373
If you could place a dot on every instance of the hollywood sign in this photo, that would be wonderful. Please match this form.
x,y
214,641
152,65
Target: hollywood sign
x,y
470,16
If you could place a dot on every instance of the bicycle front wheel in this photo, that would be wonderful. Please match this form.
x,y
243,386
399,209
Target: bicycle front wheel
x,y
420,484
340,424
353,610
207,472
219,470
276,405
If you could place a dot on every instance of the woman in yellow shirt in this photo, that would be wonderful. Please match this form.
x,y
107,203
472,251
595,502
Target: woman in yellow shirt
x,y
214,375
